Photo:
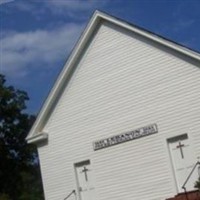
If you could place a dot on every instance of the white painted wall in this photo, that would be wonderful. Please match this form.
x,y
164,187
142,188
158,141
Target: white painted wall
x,y
123,82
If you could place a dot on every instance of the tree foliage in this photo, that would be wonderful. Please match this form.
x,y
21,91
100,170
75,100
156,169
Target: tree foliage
x,y
197,184
19,171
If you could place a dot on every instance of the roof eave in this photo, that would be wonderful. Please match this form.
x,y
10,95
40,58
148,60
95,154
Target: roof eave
x,y
40,137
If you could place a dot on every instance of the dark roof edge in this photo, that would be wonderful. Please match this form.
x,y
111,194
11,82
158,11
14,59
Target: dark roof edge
x,y
150,32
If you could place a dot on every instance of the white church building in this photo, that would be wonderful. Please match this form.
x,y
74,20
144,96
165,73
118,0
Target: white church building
x,y
122,121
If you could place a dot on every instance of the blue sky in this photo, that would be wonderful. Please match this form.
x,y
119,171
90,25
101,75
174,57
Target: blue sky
x,y
38,35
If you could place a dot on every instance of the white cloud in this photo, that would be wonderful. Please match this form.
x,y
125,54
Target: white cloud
x,y
74,5
25,6
21,52
75,9
5,1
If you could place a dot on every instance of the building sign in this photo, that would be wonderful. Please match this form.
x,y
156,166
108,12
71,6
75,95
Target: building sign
x,y
124,137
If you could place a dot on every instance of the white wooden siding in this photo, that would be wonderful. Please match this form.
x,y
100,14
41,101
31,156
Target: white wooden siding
x,y
122,82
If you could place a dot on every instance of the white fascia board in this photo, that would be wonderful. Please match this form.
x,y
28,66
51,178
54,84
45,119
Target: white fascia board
x,y
40,137
62,77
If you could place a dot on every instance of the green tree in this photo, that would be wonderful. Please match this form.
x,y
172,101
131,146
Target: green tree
x,y
197,184
19,170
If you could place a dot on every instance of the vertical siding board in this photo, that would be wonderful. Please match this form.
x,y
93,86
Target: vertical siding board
x,y
122,83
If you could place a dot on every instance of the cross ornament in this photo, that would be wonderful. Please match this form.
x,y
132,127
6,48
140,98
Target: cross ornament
x,y
180,146
85,170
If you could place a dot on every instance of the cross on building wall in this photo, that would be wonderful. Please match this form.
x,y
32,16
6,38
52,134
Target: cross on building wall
x,y
85,170
180,146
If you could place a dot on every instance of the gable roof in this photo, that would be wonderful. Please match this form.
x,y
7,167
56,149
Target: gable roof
x,y
36,134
